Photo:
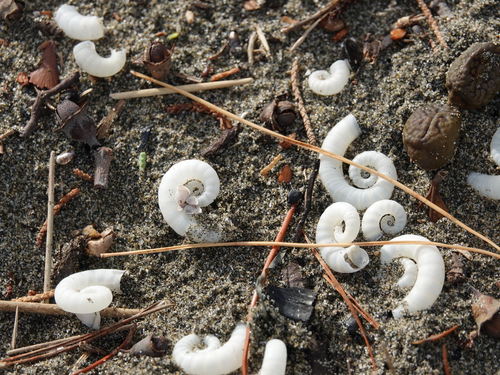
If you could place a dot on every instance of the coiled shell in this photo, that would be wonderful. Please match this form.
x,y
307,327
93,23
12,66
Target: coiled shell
x,y
90,62
322,82
383,216
77,26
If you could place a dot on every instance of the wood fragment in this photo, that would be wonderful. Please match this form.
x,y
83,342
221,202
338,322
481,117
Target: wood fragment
x,y
446,363
7,134
104,126
50,224
437,336
35,298
265,171
196,87
222,75
83,175
285,174
319,14
432,22
294,78
14,330
434,196
251,47
263,40
455,274
102,156
220,52
57,208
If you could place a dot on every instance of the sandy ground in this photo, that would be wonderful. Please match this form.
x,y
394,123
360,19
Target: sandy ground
x,y
212,288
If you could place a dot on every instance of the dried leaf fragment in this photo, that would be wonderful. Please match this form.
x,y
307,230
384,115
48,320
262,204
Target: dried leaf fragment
x,y
485,310
22,78
434,196
47,75
285,174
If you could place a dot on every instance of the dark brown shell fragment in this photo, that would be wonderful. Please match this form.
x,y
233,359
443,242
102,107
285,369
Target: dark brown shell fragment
x,y
430,135
472,79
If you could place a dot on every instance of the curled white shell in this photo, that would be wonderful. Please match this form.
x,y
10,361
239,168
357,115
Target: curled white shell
x,y
88,292
322,82
484,184
77,26
430,275
214,359
384,216
186,187
274,362
340,223
330,170
90,62
409,274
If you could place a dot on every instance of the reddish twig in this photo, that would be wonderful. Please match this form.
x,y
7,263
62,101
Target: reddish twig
x,y
57,208
36,298
222,75
446,363
432,22
436,336
224,122
83,175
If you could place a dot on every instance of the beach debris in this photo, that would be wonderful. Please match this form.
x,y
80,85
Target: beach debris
x,y
472,79
354,53
47,75
332,23
488,185
430,276
340,222
285,175
430,135
102,156
437,336
295,197
77,26
104,126
143,147
410,272
33,296
88,292
47,275
214,359
11,10
371,188
226,138
49,28
224,122
251,5
22,78
340,35
486,313
42,97
264,172
384,216
157,59
100,243
225,74
235,47
432,22
9,286
57,208
65,157
330,82
293,302
440,7
435,197
4,136
76,123
279,115
68,259
274,362
83,175
397,34
189,16
151,346
186,187
456,274
90,62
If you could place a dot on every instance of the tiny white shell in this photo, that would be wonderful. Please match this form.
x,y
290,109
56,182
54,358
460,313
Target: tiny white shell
x,y
274,362
90,62
322,82
77,26
383,216
332,176
214,359
340,223
430,275
200,179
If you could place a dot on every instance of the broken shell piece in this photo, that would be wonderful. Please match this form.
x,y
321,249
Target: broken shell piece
x,y
65,157
485,310
92,63
274,362
152,346
96,247
77,26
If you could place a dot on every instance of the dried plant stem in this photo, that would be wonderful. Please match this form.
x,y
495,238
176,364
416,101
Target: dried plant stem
x,y
263,41
446,363
432,22
300,102
8,133
227,73
50,224
437,336
251,47
14,330
299,41
327,8
40,345
265,171
295,244
36,298
310,147
189,88
107,121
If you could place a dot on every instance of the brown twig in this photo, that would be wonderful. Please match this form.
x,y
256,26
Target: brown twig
x,y
432,22
50,224
300,102
102,156
299,41
436,336
36,298
446,363
227,137
105,124
14,330
323,152
41,98
222,75
265,171
219,53
224,122
57,208
83,175
320,13
7,134
251,47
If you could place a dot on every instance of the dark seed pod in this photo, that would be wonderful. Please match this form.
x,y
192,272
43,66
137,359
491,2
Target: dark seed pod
x,y
153,346
430,135
76,123
295,196
354,52
157,59
278,115
472,79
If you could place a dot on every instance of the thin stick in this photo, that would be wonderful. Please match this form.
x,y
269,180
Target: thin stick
x,y
265,171
251,47
294,244
436,336
299,41
204,86
446,363
50,225
263,40
40,345
327,8
310,147
432,22
36,298
14,330
8,133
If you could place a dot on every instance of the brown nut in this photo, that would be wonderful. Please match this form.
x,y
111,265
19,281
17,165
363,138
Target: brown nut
x,y
75,122
472,79
157,59
430,135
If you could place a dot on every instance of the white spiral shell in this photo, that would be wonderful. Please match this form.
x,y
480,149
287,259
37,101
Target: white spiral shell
x,y
485,184
409,274
77,26
274,362
340,223
196,175
90,62
384,216
430,276
332,176
88,292
322,82
214,359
